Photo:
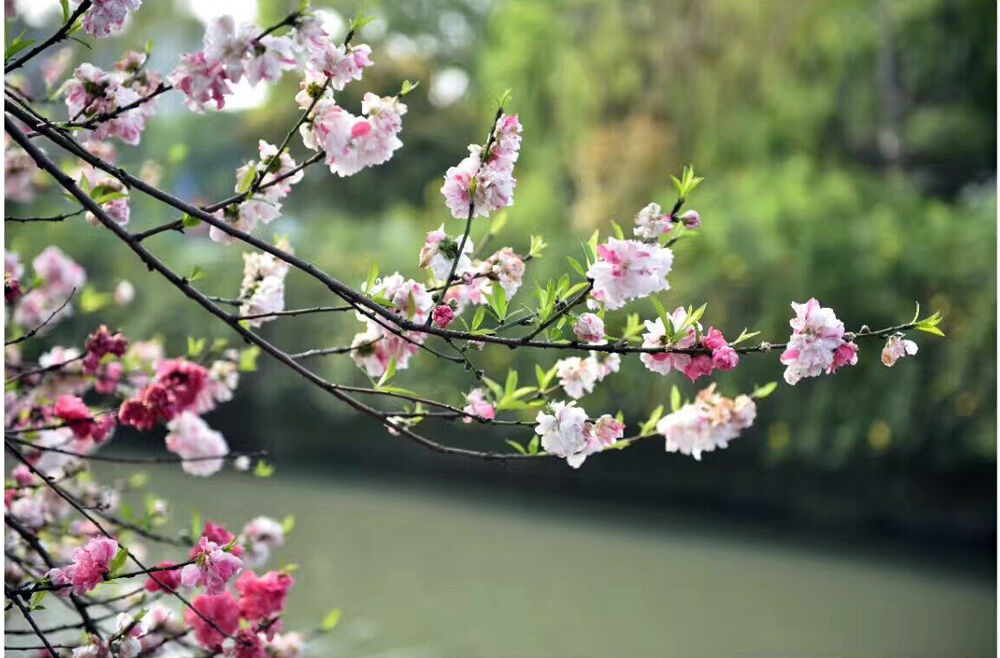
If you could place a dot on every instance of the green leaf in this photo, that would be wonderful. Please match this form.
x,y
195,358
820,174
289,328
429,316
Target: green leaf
x,y
36,600
762,392
388,374
359,22
247,180
64,4
538,245
517,446
916,314
931,329
177,153
498,301
498,222
195,346
248,358
477,319
330,621
504,98
575,264
190,221
263,469
117,562
372,275
195,524
408,87
196,274
649,427
675,399
17,45
745,335
618,230
288,524
92,301
533,445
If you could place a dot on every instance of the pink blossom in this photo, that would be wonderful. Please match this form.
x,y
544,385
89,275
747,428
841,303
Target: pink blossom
x,y
846,354
264,596
59,273
657,336
20,172
341,65
440,251
352,143
178,386
263,286
710,422
220,535
261,536
269,57
629,269
93,92
590,329
221,610
201,81
213,568
507,268
201,447
90,563
107,16
563,432
72,411
896,347
490,176
165,579
691,219
651,222
817,335
479,405
228,45
443,315
577,376
700,365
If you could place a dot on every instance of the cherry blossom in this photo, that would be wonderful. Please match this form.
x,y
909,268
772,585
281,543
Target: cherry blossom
x,y
90,563
107,16
213,567
897,347
351,143
817,343
222,610
167,578
442,315
19,173
651,222
440,251
507,268
93,92
261,536
263,596
192,439
628,269
589,328
489,179
479,405
263,286
577,376
710,422
563,432
656,336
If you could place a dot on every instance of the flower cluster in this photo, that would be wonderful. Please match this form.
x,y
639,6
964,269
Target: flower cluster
x,y
710,422
90,563
678,332
567,433
93,92
381,343
480,185
274,174
577,376
229,53
817,344
262,290
350,143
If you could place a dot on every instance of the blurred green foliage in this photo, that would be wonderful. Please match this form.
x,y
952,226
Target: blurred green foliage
x,y
848,149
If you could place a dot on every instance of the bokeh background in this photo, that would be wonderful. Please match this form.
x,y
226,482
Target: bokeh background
x,y
849,154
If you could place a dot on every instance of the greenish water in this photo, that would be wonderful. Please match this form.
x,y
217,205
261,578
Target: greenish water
x,y
423,572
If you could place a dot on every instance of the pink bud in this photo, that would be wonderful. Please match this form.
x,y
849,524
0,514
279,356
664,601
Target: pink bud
x,y
443,315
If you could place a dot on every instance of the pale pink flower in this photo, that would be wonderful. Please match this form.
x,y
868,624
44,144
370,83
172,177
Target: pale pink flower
x,y
816,337
656,336
228,46
897,347
202,81
629,269
269,57
491,175
589,328
19,173
479,405
107,16
200,446
439,253
507,268
341,65
352,143
58,272
691,219
651,222
710,422
259,537
213,567
564,432
577,376
263,286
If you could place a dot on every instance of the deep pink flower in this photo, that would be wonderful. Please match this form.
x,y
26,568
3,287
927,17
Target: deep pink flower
x,y
217,532
222,610
90,563
72,411
443,315
170,578
264,596
699,366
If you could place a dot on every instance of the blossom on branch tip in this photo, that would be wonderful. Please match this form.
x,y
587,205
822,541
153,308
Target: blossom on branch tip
x,y
107,16
222,611
479,405
896,347
589,328
263,596
90,564
480,184
651,222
